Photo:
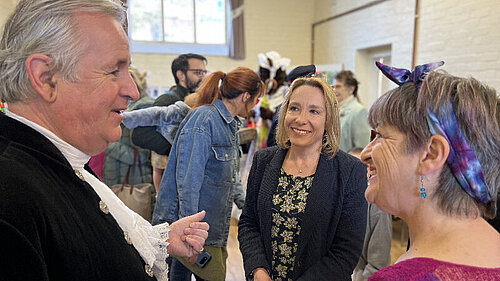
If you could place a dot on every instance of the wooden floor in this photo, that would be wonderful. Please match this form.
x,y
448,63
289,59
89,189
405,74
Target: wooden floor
x,y
399,239
235,270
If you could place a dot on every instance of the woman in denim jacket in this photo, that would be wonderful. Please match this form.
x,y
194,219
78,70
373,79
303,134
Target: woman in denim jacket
x,y
202,170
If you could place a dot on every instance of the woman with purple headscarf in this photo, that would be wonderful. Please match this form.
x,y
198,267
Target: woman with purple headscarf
x,y
434,161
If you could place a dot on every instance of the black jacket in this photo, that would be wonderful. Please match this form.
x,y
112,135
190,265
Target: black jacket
x,y
148,137
333,226
51,226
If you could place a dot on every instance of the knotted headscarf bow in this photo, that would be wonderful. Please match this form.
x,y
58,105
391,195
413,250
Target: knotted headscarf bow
x,y
461,159
402,76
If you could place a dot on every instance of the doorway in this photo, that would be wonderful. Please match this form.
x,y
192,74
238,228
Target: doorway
x,y
372,82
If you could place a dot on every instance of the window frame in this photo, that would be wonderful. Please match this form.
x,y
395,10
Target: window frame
x,y
154,47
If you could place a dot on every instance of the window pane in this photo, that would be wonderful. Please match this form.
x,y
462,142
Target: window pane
x,y
210,22
179,21
145,20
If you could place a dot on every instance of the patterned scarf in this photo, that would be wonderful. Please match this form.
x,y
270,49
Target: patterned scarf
x,y
461,159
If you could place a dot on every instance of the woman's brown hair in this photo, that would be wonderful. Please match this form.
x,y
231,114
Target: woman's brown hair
x,y
233,84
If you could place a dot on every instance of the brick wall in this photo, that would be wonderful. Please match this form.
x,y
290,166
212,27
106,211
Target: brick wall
x,y
463,33
388,23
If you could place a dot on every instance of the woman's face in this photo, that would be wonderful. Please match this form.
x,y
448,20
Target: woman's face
x,y
306,117
342,91
392,178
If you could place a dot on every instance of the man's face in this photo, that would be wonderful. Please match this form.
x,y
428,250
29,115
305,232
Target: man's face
x,y
87,112
195,74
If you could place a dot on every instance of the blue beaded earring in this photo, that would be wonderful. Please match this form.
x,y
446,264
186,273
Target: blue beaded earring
x,y
422,189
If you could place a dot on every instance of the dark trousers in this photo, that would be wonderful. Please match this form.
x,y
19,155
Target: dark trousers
x,y
178,272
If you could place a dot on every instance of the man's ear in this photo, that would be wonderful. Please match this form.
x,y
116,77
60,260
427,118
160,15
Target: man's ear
x,y
181,75
434,155
42,80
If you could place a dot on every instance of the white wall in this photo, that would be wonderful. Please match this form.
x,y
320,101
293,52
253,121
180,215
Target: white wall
x,y
280,25
6,7
463,33
343,39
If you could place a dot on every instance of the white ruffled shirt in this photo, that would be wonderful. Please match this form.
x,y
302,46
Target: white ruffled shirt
x,y
148,240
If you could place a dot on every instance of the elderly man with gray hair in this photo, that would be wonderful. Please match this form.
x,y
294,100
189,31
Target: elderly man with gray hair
x,y
64,75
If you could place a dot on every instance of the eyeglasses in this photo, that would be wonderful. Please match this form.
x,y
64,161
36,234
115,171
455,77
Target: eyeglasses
x,y
373,135
197,71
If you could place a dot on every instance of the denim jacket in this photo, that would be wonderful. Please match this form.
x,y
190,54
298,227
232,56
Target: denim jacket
x,y
166,119
202,171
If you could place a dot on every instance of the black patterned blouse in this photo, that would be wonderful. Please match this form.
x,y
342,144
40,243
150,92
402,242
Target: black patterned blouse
x,y
289,204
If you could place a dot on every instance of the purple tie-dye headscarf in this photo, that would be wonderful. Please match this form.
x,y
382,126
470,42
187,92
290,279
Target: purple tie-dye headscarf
x,y
402,76
461,159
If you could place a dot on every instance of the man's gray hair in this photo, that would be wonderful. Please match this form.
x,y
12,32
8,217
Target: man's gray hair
x,y
46,27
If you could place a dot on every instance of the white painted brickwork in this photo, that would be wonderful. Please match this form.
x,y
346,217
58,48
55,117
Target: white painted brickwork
x,y
464,33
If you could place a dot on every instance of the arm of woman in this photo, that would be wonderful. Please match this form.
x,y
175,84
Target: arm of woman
x,y
166,118
251,244
143,117
345,250
192,152
148,137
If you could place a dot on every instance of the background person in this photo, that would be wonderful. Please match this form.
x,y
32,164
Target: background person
x,y
66,79
305,214
353,115
202,170
120,154
376,252
434,162
188,71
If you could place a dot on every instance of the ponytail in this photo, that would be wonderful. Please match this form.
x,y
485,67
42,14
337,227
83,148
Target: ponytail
x,y
232,85
209,90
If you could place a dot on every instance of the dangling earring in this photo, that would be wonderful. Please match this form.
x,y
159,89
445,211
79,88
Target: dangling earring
x,y
422,189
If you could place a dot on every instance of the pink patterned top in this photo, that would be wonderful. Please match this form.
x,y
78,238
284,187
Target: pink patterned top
x,y
427,269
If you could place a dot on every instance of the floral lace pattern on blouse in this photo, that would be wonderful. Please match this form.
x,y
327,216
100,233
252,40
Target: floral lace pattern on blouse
x,y
289,204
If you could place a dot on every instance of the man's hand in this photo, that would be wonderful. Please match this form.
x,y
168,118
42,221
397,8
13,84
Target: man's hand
x,y
187,236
